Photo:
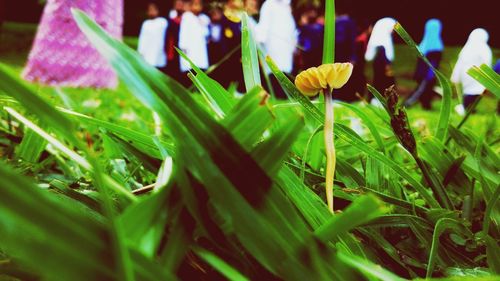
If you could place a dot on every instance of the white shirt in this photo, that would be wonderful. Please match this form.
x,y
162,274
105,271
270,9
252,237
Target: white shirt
x,y
475,53
193,35
277,32
381,37
152,41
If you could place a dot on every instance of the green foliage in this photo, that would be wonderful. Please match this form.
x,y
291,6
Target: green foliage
x,y
329,40
233,187
444,117
486,76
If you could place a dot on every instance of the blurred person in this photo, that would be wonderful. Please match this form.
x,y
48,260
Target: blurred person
x,y
152,38
496,68
277,32
358,74
172,39
61,54
230,70
345,47
193,38
252,8
177,9
432,48
345,35
380,50
383,76
311,32
475,52
215,41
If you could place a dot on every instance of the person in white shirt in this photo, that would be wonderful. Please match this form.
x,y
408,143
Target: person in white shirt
x,y
177,9
193,37
475,53
277,32
152,38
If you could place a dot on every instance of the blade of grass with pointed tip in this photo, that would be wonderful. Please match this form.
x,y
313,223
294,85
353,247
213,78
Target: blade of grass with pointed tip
x,y
249,56
487,77
377,95
220,265
219,98
445,112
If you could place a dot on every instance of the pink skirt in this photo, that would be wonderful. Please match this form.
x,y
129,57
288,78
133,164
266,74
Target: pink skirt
x,y
62,55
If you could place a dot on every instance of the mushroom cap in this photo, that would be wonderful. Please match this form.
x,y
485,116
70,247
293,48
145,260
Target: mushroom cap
x,y
315,79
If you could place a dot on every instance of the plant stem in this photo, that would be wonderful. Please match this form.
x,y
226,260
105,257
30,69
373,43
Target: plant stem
x,y
437,187
469,112
330,148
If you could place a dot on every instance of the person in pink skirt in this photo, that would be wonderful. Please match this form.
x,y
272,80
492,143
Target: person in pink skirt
x,y
62,55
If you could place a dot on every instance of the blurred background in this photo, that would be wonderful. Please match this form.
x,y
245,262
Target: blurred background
x,y
459,17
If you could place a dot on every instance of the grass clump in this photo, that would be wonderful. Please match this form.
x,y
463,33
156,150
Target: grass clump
x,y
233,187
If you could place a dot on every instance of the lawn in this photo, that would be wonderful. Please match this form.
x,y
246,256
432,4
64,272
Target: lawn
x,y
233,188
120,107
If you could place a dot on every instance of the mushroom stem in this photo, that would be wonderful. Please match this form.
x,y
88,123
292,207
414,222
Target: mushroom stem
x,y
330,148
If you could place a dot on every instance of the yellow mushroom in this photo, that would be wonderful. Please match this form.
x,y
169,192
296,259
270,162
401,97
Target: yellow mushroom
x,y
325,79
327,76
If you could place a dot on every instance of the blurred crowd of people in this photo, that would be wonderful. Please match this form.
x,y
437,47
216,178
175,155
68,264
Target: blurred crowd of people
x,y
295,42
210,35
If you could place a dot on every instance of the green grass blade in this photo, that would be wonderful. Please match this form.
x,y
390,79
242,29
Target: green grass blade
x,y
219,98
249,56
220,265
363,210
441,226
445,112
274,150
368,268
250,118
35,104
348,135
84,163
490,207
141,141
493,254
329,36
31,147
53,141
377,95
34,223
369,123
487,77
